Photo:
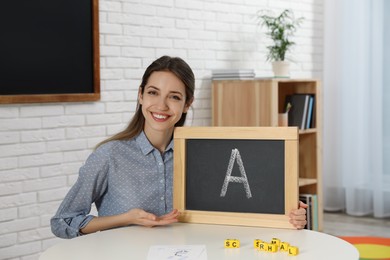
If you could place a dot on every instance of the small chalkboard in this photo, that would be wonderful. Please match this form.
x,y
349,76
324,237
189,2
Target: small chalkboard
x,y
50,51
236,175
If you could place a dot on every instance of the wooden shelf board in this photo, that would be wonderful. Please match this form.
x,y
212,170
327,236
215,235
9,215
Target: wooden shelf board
x,y
306,181
308,131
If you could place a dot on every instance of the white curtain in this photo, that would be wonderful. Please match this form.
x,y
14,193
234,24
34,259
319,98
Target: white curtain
x,y
356,138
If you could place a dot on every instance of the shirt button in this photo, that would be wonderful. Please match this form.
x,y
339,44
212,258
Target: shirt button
x,y
162,181
162,198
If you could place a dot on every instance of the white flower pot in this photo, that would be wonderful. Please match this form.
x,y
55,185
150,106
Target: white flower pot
x,y
281,69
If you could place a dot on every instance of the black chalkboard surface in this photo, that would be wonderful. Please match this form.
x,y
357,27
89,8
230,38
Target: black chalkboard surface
x,y
48,48
236,175
262,162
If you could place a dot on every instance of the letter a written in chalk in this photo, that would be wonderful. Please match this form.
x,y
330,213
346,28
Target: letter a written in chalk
x,y
235,155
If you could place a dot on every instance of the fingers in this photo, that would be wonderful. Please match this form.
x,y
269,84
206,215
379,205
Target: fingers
x,y
169,218
143,218
298,224
302,205
173,214
298,216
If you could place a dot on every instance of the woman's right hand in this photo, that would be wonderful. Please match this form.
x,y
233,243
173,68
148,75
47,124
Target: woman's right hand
x,y
143,218
132,217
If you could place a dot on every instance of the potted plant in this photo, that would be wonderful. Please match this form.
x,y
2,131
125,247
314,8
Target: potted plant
x,y
279,28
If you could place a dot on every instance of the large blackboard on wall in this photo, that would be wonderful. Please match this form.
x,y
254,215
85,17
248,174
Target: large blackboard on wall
x,y
49,51
236,175
262,163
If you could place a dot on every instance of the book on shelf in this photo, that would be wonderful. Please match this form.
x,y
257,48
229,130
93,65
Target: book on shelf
x,y
311,211
315,212
309,120
306,198
300,111
222,74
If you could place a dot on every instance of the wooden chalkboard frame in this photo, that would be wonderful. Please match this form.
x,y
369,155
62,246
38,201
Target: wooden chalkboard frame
x,y
291,190
73,97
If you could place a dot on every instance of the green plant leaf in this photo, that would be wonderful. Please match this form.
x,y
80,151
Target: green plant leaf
x,y
279,29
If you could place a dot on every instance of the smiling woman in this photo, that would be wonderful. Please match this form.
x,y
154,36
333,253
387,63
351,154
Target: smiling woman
x,y
129,176
163,103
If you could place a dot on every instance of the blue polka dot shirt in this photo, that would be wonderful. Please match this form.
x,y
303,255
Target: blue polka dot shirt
x,y
117,177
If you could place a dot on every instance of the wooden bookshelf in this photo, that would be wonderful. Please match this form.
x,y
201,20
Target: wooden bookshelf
x,y
257,103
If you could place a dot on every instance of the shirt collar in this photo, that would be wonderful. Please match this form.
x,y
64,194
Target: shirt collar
x,y
146,146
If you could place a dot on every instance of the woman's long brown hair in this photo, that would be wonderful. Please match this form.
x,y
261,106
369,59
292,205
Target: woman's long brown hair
x,y
165,63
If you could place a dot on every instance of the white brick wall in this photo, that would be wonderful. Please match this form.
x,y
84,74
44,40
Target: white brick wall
x,y
42,146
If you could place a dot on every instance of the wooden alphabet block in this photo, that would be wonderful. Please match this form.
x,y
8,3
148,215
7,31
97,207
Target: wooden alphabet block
x,y
232,243
263,246
256,243
284,246
293,250
272,248
276,241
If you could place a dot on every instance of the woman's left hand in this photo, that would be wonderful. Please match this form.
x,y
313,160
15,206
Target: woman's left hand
x,y
298,216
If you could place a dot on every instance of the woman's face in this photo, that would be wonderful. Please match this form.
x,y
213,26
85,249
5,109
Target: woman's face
x,y
163,102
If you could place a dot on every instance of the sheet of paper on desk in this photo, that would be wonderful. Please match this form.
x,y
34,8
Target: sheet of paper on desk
x,y
177,252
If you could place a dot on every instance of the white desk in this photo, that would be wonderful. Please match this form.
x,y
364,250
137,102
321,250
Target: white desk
x,y
134,243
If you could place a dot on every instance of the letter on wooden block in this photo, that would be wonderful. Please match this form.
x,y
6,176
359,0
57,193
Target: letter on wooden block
x,y
276,241
263,246
293,250
256,243
284,246
272,248
232,243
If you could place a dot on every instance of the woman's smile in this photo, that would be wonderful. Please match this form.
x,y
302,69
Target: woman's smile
x,y
163,103
160,117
